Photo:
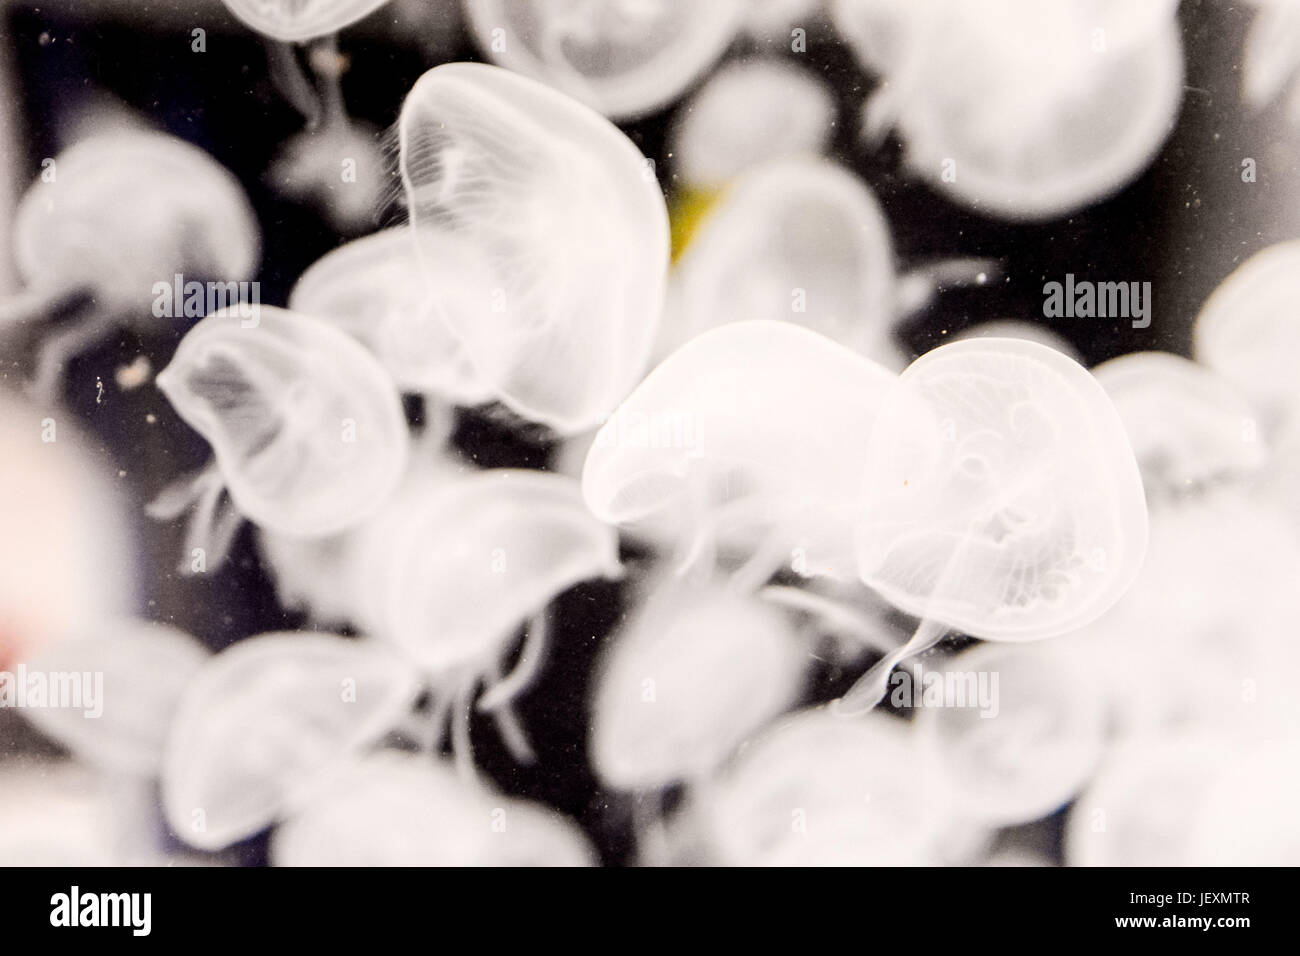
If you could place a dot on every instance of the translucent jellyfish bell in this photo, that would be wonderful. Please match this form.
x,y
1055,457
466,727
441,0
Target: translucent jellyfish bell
x,y
546,232
392,809
1019,329
267,721
800,240
375,290
1188,427
748,112
295,21
624,58
1029,744
145,669
816,786
307,429
1107,81
724,421
1002,498
1246,334
690,677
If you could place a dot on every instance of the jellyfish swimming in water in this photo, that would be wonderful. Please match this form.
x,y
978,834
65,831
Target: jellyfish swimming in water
x,y
623,58
145,669
270,720
691,675
307,430
112,216
1189,428
802,239
714,450
1107,85
402,809
460,572
544,235
1001,499
818,789
1244,333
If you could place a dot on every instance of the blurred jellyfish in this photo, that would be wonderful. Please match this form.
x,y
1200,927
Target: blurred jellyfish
x,y
144,669
623,58
307,431
1107,81
1002,499
56,813
110,217
1246,334
374,289
1022,751
748,112
817,789
464,568
296,21
1188,427
1248,815
62,571
1272,57
1141,807
393,809
267,722
801,240
544,235
1019,329
750,437
690,677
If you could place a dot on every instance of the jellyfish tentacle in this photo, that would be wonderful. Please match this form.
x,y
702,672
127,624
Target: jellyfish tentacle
x,y
525,671
837,617
462,747
513,736
55,352
32,304
289,78
918,287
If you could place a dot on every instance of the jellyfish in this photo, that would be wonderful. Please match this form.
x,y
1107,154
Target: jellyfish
x,y
748,112
815,788
267,722
623,58
803,240
373,288
685,681
401,809
463,568
1244,333
749,439
57,813
1272,57
142,670
296,21
1017,109
1140,808
544,235
307,430
1188,427
110,218
1023,752
1001,499
1019,329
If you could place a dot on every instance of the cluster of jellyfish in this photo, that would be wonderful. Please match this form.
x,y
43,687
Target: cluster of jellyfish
x,y
779,493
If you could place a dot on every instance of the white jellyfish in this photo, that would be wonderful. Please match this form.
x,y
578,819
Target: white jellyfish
x,y
816,788
1272,56
544,235
802,240
691,675
1246,334
1019,329
296,21
717,448
112,217
748,112
467,564
57,813
1002,499
394,809
139,671
268,721
1017,729
1188,427
1019,109
307,430
375,290
624,58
